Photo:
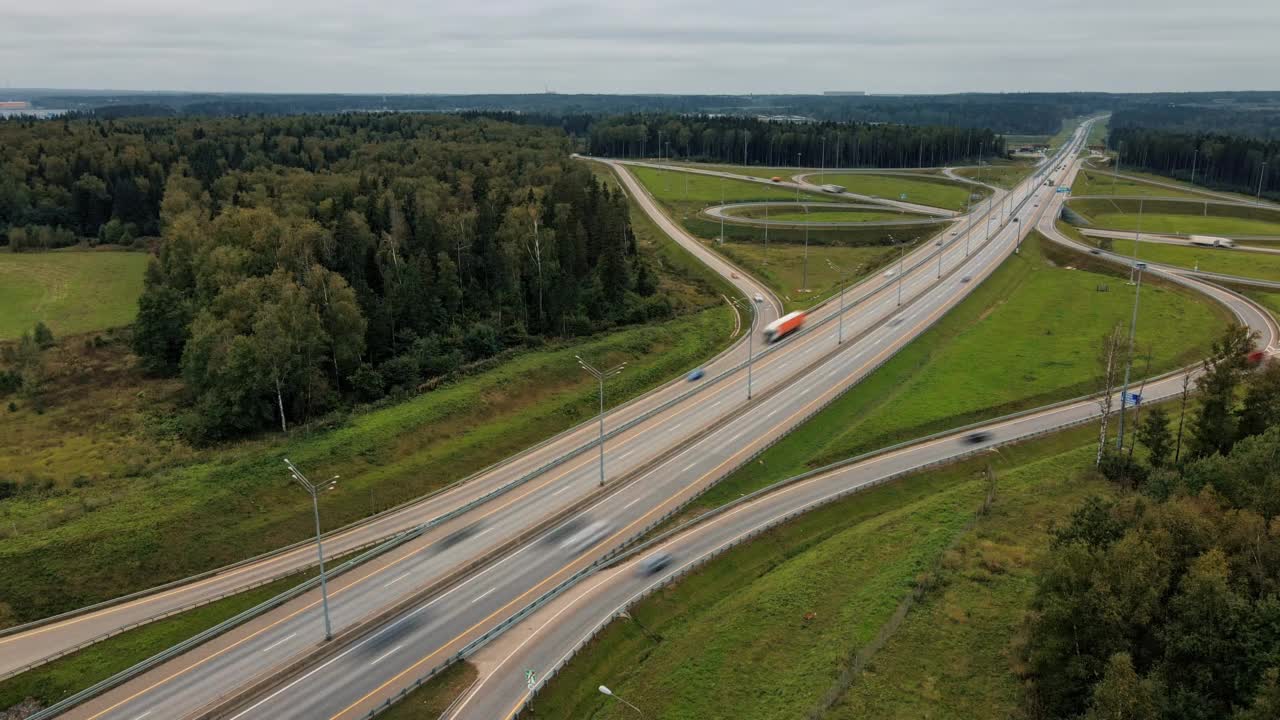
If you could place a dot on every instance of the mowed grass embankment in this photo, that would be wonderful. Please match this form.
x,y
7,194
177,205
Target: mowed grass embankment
x,y
70,291
784,271
110,500
1101,182
819,214
1168,216
1028,336
924,190
1229,261
684,194
763,630
1004,175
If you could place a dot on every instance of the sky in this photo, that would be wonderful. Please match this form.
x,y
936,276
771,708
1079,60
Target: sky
x,y
640,46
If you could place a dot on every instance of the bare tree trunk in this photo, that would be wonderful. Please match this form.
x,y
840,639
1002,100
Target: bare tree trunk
x,y
1109,359
1137,408
284,427
1182,416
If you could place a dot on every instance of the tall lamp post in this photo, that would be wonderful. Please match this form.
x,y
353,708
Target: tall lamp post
x,y
1133,325
609,692
844,282
804,265
315,491
746,304
600,376
902,254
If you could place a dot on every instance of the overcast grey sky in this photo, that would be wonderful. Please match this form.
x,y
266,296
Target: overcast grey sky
x,y
676,46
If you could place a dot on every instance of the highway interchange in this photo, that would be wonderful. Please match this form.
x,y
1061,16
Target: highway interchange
x,y
661,462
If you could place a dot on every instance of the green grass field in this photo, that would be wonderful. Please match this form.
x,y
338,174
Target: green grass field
x,y
1265,266
1180,186
935,191
1100,182
1270,301
785,269
820,215
685,194
1185,224
1026,337
955,656
1004,175
762,630
112,500
71,292
751,170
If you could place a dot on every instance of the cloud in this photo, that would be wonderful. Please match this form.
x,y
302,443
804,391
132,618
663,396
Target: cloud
x,y
732,46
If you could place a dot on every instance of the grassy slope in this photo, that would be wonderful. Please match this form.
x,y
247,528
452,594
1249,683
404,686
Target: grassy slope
x,y
955,656
1271,301
784,272
938,192
71,292
1002,175
1188,223
131,506
762,630
1231,262
833,215
1100,182
430,700
1026,337
58,679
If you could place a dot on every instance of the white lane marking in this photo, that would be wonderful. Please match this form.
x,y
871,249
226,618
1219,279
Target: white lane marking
x,y
633,502
675,427
143,715
346,652
482,532
623,455
385,655
688,467
566,487
484,594
396,580
272,646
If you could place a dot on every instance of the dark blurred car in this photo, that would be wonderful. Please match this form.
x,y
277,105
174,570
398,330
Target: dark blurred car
x,y
654,564
695,375
977,438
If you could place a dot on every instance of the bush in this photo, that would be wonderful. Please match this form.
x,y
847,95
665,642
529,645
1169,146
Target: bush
x,y
43,336
400,371
481,341
368,383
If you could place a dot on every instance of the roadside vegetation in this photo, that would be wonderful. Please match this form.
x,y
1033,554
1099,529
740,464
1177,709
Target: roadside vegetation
x,y
924,190
765,629
71,292
1001,174
1027,336
432,698
100,462
1102,182
820,214
1243,263
1159,216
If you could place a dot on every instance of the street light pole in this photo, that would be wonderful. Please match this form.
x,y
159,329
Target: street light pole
x,y
315,491
1137,235
844,281
722,210
600,376
745,303
1133,325
609,692
901,255
1262,174
804,277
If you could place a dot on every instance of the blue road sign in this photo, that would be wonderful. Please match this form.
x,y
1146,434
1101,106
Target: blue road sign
x,y
1064,189
1135,399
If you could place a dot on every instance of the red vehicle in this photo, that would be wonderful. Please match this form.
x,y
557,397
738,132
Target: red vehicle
x,y
775,178
1256,357
783,326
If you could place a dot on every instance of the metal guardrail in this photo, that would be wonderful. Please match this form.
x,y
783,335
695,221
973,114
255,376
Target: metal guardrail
x,y
405,536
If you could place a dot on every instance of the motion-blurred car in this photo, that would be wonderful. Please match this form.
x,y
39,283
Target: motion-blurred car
x,y
775,178
966,278
759,298
977,438
654,564
695,375
586,537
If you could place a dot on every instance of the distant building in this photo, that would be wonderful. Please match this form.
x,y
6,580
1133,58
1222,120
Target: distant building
x,y
14,105
844,93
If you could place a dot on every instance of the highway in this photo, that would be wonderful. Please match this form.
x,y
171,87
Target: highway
x,y
670,474
546,639
348,684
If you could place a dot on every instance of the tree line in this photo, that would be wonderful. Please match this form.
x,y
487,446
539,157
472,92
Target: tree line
x,y
1248,119
751,141
306,262
1225,162
1165,602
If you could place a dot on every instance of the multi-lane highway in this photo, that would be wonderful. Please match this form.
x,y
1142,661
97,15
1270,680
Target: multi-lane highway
x,y
544,640
348,684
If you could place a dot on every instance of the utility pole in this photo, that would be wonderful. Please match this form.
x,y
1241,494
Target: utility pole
x,y
822,169
315,490
844,282
902,248
747,304
1137,234
804,277
1261,175
722,210
609,692
1133,325
600,376
1195,155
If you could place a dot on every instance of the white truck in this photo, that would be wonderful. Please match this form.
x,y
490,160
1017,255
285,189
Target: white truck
x,y
833,189
1212,241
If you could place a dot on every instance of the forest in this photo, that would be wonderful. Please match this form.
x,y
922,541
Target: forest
x,y
310,261
1165,602
750,141
1260,121
1224,162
